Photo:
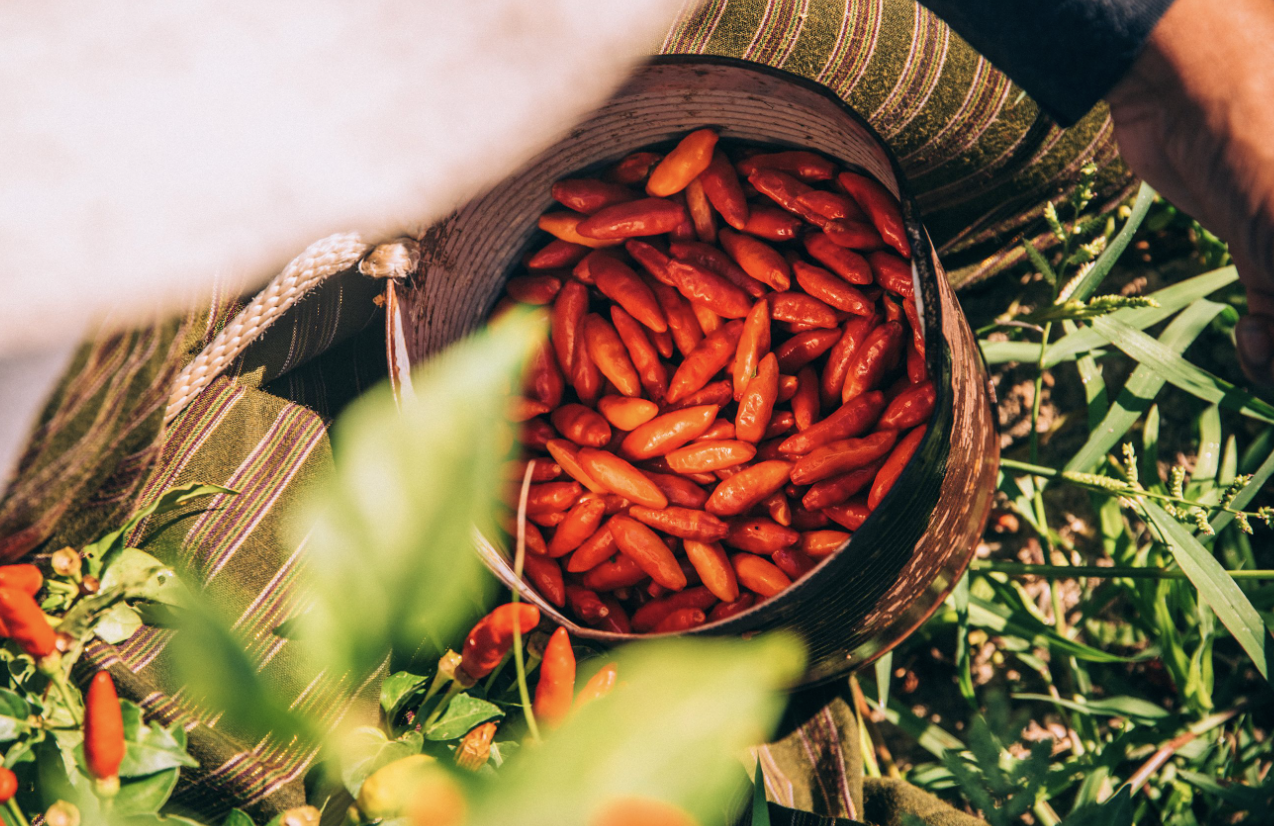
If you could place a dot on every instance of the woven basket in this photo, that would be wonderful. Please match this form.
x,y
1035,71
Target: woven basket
x,y
909,553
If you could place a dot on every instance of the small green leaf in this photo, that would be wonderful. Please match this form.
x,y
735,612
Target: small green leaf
x,y
155,749
760,806
396,687
1216,587
140,576
99,554
463,713
117,624
14,712
367,748
237,817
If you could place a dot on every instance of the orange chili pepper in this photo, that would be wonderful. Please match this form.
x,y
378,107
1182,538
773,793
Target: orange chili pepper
x,y
800,308
683,164
625,412
717,392
646,216
702,286
722,188
781,188
837,489
841,456
588,195
805,403
680,492
758,259
580,523
779,509
722,429
23,577
705,361
802,348
822,543
892,273
831,205
556,688
913,318
563,225
910,407
534,289
804,520
552,496
839,357
877,355
851,515
893,466
709,455
683,523
617,281
760,536
682,324
713,567
620,572
582,425
794,562
633,168
917,371
545,380
881,206
610,355
593,551
709,321
546,575
757,405
618,476
8,785
668,432
759,575
847,264
556,255
598,686
566,454
644,547
748,488
652,260
780,423
534,539
701,215
521,409
855,235
852,419
650,615
714,260
754,342
831,290
650,370
492,637
586,604
26,623
103,732
772,223
805,165
729,609
683,619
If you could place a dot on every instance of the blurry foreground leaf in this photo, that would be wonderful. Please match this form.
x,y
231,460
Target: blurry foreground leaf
x,y
673,730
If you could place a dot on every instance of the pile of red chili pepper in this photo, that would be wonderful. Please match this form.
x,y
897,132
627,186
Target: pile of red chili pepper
x,y
735,377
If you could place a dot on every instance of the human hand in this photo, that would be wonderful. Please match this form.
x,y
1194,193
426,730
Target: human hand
x,y
1195,118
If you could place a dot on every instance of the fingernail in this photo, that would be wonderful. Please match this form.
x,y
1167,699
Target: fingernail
x,y
1256,347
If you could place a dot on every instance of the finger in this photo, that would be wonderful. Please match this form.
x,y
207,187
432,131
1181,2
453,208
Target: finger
x,y
1254,336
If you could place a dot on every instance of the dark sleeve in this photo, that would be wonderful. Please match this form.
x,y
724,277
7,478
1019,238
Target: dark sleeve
x,y
1066,54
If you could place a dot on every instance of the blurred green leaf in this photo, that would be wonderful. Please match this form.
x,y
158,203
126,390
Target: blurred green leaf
x,y
1116,811
1215,587
1141,388
366,749
390,533
1134,708
463,713
672,730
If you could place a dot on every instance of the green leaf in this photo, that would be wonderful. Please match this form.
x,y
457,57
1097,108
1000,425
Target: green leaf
x,y
367,748
1086,339
1098,272
928,736
141,576
154,749
117,624
1006,622
463,713
98,554
964,664
884,674
237,817
1116,811
395,688
1134,708
145,795
1216,587
760,806
1141,388
14,712
409,486
671,730
1176,370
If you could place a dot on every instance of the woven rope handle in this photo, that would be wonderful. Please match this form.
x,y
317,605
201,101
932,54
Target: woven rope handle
x,y
320,260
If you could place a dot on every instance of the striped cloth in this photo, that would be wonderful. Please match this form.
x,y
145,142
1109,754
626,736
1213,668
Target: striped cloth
x,y
981,161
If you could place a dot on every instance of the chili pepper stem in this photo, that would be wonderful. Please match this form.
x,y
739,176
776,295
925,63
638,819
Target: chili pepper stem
x,y
519,557
16,812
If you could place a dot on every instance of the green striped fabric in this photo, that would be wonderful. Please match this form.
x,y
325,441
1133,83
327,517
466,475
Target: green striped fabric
x,y
981,160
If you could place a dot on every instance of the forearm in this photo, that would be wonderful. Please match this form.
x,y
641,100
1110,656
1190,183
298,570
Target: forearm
x,y
1066,53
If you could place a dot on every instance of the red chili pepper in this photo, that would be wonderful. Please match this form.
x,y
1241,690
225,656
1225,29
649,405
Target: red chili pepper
x,y
103,728
25,578
8,785
26,623
554,692
598,686
492,637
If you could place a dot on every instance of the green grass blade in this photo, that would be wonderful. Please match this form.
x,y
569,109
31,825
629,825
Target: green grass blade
x,y
1134,708
1208,458
1215,587
1170,300
931,738
1149,457
1181,373
1142,387
1002,621
1259,477
884,673
1101,268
